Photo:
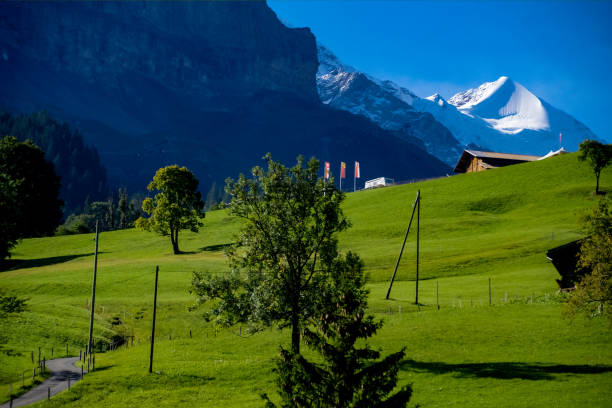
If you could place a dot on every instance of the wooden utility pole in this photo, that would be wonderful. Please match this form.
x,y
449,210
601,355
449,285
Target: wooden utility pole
x,y
154,312
93,294
403,244
416,301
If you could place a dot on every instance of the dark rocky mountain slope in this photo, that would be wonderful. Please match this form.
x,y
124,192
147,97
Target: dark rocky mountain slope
x,y
209,85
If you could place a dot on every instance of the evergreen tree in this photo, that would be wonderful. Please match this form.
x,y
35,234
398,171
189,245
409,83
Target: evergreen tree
x,y
78,165
110,214
347,376
122,207
211,197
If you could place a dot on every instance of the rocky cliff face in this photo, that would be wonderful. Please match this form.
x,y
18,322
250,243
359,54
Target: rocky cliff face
x,y
216,51
210,85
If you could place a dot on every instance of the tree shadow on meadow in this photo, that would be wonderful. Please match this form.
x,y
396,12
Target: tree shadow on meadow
x,y
504,371
215,248
209,248
14,264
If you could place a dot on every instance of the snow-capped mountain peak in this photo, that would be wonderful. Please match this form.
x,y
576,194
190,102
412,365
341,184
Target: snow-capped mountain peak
x,y
505,105
437,99
329,63
501,115
471,97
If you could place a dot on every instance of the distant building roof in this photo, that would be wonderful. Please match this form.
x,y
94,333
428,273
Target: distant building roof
x,y
555,153
490,160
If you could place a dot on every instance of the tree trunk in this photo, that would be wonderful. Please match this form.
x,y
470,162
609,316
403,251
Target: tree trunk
x,y
174,240
295,332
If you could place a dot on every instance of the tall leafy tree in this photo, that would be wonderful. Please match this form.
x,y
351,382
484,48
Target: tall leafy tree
x,y
177,206
286,244
11,213
346,375
593,294
599,156
36,187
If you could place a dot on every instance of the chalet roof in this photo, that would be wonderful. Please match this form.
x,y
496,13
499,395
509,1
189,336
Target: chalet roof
x,y
491,160
509,156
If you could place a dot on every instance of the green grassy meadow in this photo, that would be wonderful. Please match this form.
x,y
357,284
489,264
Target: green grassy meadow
x,y
519,352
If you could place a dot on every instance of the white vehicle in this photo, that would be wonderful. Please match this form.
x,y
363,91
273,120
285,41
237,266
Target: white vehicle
x,y
379,182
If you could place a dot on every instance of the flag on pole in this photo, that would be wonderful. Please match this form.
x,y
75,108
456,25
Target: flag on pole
x,y
326,170
357,173
342,170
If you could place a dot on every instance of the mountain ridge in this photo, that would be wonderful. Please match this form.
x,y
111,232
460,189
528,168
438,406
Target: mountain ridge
x,y
501,115
151,84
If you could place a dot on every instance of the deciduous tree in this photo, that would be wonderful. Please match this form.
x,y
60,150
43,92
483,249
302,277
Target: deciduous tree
x,y
177,205
599,156
29,198
287,242
593,294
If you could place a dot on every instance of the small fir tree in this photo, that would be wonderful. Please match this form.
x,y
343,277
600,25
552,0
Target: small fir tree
x,y
348,376
123,209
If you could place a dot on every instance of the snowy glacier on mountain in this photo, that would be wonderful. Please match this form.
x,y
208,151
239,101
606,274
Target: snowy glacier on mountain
x,y
501,115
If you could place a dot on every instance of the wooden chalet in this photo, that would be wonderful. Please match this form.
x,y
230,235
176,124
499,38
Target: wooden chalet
x,y
474,160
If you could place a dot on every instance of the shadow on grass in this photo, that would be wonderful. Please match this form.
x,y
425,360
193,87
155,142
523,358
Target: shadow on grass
x,y
504,371
214,248
100,368
14,264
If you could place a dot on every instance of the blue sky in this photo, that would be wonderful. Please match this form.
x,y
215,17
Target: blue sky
x,y
560,50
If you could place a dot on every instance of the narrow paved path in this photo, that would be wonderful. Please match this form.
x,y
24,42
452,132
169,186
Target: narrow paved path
x,y
62,369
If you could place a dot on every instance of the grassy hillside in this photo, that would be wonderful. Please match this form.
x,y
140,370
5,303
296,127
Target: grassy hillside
x,y
497,224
